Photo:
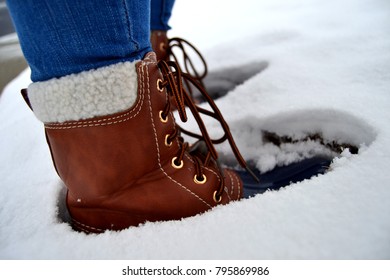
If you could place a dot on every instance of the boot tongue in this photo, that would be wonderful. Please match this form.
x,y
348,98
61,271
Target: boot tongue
x,y
160,44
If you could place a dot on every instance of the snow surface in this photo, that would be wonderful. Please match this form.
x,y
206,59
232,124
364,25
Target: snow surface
x,y
328,73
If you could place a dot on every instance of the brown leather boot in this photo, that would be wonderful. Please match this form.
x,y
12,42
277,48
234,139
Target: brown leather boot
x,y
130,167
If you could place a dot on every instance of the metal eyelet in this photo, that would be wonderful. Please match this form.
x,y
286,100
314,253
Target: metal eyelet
x,y
217,200
162,46
174,163
168,144
202,181
162,119
159,85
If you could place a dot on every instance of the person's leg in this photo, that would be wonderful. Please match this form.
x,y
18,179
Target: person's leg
x,y
59,38
92,39
108,118
161,11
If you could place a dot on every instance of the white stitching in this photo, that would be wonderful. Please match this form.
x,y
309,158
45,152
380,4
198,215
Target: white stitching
x,y
86,227
158,150
238,184
231,180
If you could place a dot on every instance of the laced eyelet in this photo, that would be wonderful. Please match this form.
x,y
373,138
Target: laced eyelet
x,y
202,181
175,165
162,119
159,85
168,144
216,198
162,46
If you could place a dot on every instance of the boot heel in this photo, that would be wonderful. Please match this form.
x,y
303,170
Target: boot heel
x,y
80,227
101,220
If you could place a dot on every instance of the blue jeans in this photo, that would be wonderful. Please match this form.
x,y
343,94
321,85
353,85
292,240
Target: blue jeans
x,y
160,14
62,37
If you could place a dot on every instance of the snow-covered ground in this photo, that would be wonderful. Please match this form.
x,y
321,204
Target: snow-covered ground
x,y
328,73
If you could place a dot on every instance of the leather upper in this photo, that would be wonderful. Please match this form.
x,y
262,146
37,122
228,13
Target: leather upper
x,y
118,168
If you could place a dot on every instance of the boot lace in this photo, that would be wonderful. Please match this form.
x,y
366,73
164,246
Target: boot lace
x,y
186,63
206,153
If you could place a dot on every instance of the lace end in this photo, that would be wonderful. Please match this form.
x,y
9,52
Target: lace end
x,y
252,174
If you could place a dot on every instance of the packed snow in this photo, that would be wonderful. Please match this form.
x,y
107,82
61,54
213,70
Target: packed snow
x,y
328,73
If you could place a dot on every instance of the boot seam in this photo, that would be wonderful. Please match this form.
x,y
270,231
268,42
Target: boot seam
x,y
233,186
238,183
85,228
235,181
157,145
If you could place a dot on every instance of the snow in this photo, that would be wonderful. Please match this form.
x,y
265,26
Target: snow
x,y
328,72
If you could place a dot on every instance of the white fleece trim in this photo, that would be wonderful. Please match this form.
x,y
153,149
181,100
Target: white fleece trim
x,y
85,95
